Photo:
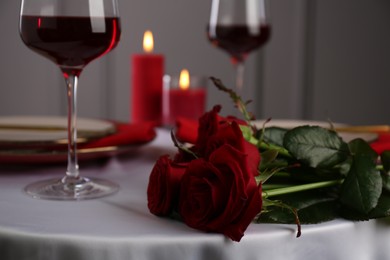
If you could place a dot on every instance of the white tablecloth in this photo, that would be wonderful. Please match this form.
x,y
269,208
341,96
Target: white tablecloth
x,y
120,227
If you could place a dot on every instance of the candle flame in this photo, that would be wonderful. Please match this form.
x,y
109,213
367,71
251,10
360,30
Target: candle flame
x,y
148,42
184,80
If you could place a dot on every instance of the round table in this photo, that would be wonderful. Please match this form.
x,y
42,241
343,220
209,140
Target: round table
x,y
120,226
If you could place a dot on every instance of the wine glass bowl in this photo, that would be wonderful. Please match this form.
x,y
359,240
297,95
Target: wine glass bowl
x,y
71,41
70,33
239,27
239,40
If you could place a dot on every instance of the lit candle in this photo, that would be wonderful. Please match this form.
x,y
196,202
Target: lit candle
x,y
147,73
184,98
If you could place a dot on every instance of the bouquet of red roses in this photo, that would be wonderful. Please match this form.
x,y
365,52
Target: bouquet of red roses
x,y
226,179
212,184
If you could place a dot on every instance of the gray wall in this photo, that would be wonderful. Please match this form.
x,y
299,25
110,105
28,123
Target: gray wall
x,y
327,59
333,65
350,63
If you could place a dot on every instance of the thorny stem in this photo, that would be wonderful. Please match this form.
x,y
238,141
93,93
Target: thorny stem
x,y
241,106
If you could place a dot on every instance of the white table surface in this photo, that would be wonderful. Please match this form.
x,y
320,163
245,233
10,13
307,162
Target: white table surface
x,y
120,226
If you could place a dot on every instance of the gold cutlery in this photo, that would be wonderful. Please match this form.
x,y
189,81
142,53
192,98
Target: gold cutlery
x,y
363,129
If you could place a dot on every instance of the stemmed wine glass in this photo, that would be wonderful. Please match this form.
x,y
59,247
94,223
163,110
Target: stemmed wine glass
x,y
239,27
71,33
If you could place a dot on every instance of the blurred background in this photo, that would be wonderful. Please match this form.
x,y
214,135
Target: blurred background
x,y
326,60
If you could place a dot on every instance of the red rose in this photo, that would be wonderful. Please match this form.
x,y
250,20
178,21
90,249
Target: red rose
x,y
215,130
164,186
253,157
208,125
221,194
211,122
230,133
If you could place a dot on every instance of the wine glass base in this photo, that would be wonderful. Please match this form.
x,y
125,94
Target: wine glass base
x,y
59,189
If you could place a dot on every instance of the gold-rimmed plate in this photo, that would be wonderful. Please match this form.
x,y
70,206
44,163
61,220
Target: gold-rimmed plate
x,y
35,145
42,131
39,156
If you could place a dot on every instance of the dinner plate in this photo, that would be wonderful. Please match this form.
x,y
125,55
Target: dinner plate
x,y
58,156
48,130
41,139
286,123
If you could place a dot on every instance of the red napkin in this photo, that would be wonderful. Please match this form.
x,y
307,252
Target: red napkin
x,y
126,134
187,130
382,143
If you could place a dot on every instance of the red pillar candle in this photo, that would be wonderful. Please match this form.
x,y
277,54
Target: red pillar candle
x,y
147,73
185,97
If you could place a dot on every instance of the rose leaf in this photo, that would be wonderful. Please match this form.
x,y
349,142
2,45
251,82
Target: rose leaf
x,y
274,135
312,207
386,180
359,146
363,185
381,210
383,207
316,146
385,158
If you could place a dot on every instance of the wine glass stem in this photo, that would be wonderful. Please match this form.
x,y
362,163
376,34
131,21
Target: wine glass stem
x,y
239,77
71,85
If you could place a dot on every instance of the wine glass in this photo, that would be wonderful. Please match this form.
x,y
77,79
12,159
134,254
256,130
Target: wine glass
x,y
71,33
239,27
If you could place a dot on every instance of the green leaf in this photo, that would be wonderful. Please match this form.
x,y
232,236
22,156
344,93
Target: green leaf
x,y
309,174
360,146
265,175
383,207
270,160
269,156
344,167
319,212
247,133
312,207
380,211
274,135
386,180
363,185
316,146
385,158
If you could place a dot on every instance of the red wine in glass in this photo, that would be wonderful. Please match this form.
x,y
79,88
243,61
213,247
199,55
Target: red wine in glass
x,y
70,42
238,40
71,33
239,27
